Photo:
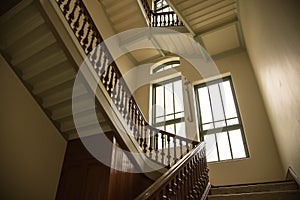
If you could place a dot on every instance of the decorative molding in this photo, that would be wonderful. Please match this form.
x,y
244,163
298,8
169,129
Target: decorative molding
x,y
291,175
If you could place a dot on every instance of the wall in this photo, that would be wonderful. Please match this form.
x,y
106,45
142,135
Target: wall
x,y
264,164
272,34
31,148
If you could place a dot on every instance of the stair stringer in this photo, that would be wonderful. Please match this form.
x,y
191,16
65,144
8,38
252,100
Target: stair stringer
x,y
63,30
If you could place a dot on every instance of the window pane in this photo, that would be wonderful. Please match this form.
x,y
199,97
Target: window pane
x,y
178,96
216,102
232,121
159,119
211,148
207,126
237,145
169,98
220,124
179,115
180,129
223,146
159,100
205,109
227,96
170,128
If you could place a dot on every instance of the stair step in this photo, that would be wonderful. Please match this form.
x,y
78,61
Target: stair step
x,y
14,11
274,195
31,43
45,57
57,97
88,130
86,119
65,110
54,81
52,62
261,187
20,25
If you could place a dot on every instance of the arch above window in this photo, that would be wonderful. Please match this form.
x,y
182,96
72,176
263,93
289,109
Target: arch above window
x,y
165,66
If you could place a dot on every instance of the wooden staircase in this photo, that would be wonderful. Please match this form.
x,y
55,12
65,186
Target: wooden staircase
x,y
285,190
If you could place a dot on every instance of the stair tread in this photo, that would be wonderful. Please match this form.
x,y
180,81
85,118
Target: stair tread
x,y
254,187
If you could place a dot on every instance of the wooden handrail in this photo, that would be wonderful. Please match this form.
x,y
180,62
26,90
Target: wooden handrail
x,y
148,137
187,179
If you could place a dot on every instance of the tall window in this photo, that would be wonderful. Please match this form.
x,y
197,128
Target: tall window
x,y
220,121
168,112
161,6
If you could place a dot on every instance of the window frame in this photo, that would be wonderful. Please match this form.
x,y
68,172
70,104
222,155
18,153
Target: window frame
x,y
157,10
225,128
165,122
162,66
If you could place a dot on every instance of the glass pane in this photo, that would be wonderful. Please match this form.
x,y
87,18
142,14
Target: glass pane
x,y
159,100
232,121
237,145
220,124
211,148
179,115
229,104
205,109
169,117
207,126
159,119
223,146
217,107
180,129
178,96
170,128
169,98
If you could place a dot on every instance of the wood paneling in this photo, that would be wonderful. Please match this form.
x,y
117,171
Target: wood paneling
x,y
84,177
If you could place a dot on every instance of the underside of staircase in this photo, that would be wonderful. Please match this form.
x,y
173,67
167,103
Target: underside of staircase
x,y
38,56
285,190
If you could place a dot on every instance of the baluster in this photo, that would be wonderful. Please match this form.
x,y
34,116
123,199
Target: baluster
x,y
125,98
70,18
173,19
76,23
111,85
163,148
169,150
175,150
66,7
151,137
128,113
132,115
156,146
136,133
85,40
117,93
106,78
181,150
90,47
146,129
81,31
187,146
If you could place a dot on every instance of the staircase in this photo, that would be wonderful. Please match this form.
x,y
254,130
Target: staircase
x,y
39,58
286,190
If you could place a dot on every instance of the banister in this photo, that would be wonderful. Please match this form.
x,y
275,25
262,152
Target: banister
x,y
191,170
148,137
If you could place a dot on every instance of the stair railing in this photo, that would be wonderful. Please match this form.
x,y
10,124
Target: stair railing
x,y
160,146
187,179
163,19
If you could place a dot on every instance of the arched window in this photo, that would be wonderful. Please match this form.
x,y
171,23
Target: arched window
x,y
165,66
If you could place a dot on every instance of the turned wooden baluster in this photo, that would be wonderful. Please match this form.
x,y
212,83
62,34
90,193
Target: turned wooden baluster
x,y
156,145
175,150
151,138
146,137
70,17
66,7
162,148
169,150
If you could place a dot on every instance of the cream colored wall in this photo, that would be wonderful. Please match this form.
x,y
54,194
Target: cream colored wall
x,y
264,164
272,33
31,148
